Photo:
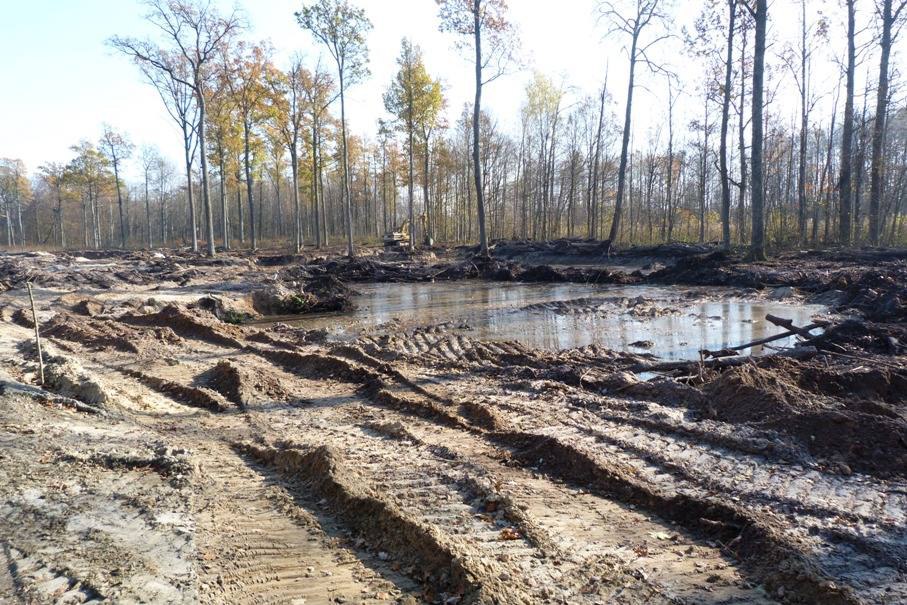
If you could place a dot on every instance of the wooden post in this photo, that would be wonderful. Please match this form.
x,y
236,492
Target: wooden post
x,y
34,315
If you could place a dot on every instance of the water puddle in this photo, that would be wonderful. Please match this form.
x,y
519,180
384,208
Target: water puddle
x,y
670,322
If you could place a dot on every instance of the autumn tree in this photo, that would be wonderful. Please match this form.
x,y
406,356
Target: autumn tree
x,y
715,30
542,110
342,28
89,170
117,148
725,118
429,118
482,24
226,139
244,76
415,99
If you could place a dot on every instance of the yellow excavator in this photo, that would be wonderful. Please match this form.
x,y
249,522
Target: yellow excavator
x,y
398,238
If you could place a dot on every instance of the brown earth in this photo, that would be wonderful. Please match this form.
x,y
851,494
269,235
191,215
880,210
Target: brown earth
x,y
172,456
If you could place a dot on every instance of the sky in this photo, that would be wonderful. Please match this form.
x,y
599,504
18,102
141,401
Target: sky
x,y
62,82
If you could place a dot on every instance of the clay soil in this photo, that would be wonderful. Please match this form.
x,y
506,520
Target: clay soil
x,y
178,453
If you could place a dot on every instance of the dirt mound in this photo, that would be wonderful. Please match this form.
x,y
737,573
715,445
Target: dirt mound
x,y
224,309
361,269
826,417
65,376
108,334
331,293
856,336
243,386
190,324
88,307
22,318
281,260
323,293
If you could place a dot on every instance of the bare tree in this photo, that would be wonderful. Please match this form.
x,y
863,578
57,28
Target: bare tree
x,y
484,22
341,27
725,117
643,13
844,181
197,33
171,84
150,158
289,103
759,11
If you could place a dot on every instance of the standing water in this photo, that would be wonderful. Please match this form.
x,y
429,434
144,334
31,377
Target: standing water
x,y
670,322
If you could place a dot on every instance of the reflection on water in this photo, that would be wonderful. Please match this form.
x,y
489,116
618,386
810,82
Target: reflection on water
x,y
612,316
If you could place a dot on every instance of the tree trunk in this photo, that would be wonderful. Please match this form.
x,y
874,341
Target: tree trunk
x,y
844,182
409,186
705,167
725,117
202,154
878,129
247,161
192,220
148,213
348,206
669,194
116,178
804,125
757,243
741,131
624,147
476,115
294,171
223,201
315,204
427,236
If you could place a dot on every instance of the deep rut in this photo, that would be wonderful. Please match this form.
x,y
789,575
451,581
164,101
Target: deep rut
x,y
259,546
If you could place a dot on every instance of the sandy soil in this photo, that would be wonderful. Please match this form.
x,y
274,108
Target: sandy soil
x,y
172,456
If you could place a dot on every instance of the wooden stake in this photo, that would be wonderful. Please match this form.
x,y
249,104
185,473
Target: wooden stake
x,y
34,315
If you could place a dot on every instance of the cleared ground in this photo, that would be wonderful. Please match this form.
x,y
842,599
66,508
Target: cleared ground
x,y
175,457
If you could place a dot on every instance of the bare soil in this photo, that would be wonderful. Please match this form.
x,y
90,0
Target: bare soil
x,y
174,456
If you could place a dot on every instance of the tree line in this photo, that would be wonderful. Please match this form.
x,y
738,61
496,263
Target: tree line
x,y
268,157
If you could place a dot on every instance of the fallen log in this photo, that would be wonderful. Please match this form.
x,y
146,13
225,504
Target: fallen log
x,y
723,362
789,324
790,332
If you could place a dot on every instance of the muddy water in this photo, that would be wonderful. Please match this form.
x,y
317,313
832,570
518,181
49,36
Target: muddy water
x,y
677,322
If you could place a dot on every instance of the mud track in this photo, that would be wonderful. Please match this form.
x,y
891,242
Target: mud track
x,y
228,464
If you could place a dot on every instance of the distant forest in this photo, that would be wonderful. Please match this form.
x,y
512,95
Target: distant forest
x,y
269,161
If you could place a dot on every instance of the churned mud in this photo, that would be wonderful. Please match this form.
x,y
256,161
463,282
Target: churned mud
x,y
561,424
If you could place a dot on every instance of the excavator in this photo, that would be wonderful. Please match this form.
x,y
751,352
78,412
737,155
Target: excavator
x,y
398,238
